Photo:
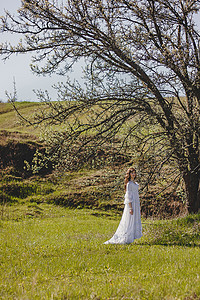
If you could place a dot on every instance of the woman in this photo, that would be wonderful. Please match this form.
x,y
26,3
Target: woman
x,y
130,227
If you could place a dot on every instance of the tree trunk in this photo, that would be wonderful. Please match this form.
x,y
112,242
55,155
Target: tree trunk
x,y
192,181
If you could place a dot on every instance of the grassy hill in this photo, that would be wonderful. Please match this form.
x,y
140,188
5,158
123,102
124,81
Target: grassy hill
x,y
18,140
10,121
100,188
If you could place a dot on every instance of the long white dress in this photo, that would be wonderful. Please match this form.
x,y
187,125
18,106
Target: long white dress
x,y
130,227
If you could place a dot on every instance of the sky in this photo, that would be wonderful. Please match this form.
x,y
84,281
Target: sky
x,y
17,69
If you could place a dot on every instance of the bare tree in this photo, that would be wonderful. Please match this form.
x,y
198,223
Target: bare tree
x,y
142,60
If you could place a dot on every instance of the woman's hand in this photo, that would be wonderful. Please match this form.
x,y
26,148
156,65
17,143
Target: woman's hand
x,y
131,211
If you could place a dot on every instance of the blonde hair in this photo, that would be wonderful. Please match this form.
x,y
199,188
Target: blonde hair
x,y
128,176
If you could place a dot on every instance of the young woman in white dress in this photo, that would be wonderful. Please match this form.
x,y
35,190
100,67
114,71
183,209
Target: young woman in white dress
x,y
130,227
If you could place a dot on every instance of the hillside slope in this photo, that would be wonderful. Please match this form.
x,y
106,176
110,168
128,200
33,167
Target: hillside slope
x,y
93,188
10,121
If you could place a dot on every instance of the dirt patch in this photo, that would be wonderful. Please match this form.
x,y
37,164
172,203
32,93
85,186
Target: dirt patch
x,y
6,136
15,148
165,206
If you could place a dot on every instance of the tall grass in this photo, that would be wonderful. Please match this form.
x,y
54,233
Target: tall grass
x,y
59,254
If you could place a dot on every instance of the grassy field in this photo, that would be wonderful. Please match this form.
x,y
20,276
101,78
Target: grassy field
x,y
54,252
59,253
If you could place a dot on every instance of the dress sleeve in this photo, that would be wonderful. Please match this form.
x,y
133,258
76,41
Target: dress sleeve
x,y
128,194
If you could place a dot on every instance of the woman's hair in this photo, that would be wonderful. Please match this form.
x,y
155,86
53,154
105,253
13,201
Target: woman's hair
x,y
128,176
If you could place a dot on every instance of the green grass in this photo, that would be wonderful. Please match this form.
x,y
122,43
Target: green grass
x,y
52,252
10,121
57,253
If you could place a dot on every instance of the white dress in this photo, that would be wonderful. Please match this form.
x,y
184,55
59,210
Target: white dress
x,y
130,227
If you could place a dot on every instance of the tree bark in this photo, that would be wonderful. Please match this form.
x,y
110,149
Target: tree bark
x,y
192,182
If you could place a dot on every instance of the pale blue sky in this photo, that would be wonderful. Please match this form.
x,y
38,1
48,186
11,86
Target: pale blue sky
x,y
18,67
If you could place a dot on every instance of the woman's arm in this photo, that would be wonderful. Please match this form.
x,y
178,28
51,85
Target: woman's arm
x,y
130,203
128,197
130,208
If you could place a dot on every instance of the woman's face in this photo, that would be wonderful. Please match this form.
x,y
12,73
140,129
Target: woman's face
x,y
133,175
